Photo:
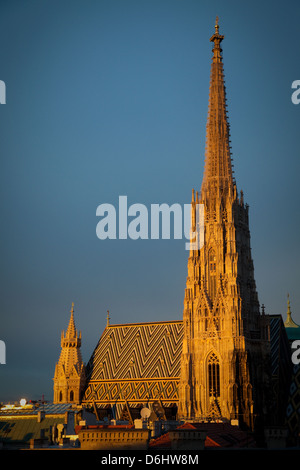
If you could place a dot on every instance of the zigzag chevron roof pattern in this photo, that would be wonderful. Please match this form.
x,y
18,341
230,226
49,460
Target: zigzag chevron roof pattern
x,y
141,362
137,351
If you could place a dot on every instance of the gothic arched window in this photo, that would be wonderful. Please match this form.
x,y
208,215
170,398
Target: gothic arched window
x,y
71,395
213,376
212,269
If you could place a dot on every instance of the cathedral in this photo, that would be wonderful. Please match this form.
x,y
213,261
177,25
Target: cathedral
x,y
226,359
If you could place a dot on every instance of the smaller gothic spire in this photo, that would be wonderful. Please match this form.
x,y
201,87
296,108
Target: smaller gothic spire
x,y
289,322
69,376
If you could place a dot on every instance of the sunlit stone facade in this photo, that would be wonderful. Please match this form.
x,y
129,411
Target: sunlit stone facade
x,y
225,352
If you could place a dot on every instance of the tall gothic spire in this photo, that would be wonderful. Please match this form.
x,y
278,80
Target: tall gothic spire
x,y
218,173
224,362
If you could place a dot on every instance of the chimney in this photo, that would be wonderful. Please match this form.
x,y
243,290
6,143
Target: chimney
x,y
40,416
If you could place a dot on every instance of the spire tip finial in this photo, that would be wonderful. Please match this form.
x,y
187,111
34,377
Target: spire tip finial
x,y
216,37
217,25
289,305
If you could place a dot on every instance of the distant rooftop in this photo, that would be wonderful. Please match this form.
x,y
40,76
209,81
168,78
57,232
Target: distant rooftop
x,y
34,408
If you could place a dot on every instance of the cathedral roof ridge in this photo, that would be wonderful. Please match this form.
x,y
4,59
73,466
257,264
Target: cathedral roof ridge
x,y
137,324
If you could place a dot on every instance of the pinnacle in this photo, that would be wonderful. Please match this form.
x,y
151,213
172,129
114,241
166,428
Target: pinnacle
x,y
71,331
218,173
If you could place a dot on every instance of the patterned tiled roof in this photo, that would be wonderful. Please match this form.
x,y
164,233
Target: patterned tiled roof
x,y
129,357
137,351
293,408
140,361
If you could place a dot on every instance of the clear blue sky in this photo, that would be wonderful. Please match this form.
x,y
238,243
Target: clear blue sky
x,y
109,98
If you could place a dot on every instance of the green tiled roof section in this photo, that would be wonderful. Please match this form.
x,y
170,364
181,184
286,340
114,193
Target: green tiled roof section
x,y
293,333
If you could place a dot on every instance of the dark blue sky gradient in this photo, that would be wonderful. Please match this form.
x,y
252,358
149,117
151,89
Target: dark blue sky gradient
x,y
109,98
